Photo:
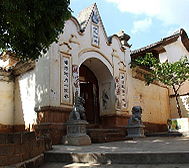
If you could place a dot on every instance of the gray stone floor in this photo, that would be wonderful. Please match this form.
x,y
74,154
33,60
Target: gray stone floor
x,y
141,145
91,165
147,145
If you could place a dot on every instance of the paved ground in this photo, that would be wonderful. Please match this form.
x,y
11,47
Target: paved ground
x,y
150,144
144,145
91,165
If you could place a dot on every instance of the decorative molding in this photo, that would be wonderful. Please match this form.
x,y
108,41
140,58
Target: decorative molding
x,y
114,54
117,114
65,48
4,72
6,79
139,72
18,69
53,108
94,50
23,67
122,70
122,65
74,39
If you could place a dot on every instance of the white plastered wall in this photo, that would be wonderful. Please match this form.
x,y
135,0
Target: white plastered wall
x,y
80,50
174,52
153,99
77,46
25,99
42,81
6,103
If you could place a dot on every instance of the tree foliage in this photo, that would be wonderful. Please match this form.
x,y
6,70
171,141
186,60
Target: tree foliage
x,y
28,27
169,73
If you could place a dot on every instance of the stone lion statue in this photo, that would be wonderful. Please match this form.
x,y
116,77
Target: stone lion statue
x,y
136,117
78,112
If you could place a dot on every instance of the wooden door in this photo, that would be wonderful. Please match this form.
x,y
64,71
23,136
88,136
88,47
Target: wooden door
x,y
86,91
89,91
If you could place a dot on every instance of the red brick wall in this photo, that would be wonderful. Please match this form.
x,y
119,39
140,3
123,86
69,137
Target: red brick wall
x,y
122,121
11,128
114,121
18,147
51,121
152,127
56,131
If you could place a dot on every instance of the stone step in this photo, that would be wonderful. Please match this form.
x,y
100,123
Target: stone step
x,y
149,150
101,130
118,158
90,126
97,165
109,137
105,135
164,134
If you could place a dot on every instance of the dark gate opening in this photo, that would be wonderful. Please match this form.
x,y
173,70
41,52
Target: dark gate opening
x,y
90,92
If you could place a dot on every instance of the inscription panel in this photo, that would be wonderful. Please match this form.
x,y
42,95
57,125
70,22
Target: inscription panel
x,y
123,90
65,80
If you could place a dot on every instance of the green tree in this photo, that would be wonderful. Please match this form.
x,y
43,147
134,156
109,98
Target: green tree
x,y
28,27
173,74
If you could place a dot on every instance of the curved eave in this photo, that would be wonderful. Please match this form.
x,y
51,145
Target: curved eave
x,y
75,21
184,39
115,36
159,46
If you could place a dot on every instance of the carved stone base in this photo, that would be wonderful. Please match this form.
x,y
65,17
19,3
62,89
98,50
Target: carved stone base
x,y
135,131
77,141
76,133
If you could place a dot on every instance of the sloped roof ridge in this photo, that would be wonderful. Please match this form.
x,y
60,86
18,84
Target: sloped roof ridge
x,y
84,16
174,35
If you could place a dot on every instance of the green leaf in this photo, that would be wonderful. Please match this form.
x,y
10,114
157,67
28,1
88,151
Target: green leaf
x,y
29,27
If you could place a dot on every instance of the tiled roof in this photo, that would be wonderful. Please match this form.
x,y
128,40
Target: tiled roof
x,y
164,41
9,63
8,60
156,44
84,16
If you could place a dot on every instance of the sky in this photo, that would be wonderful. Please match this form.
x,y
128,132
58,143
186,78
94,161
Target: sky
x,y
146,21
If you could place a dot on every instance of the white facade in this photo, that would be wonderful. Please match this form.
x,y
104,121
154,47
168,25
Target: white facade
x,y
25,100
6,103
47,91
174,52
106,60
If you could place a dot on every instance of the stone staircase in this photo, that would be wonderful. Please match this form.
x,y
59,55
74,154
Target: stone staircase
x,y
164,134
99,135
149,150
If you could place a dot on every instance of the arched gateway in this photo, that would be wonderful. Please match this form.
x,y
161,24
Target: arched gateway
x,y
85,62
93,76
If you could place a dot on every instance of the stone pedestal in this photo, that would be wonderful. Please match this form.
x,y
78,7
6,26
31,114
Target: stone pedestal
x,y
136,130
76,133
